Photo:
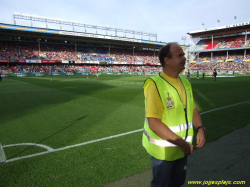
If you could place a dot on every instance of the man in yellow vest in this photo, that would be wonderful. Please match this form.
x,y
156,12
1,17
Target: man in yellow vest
x,y
171,115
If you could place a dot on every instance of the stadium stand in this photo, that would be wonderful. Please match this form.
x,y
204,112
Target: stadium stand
x,y
207,44
15,51
225,48
222,43
23,50
231,42
228,52
78,69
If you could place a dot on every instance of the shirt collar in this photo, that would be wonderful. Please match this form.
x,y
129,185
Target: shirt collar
x,y
167,78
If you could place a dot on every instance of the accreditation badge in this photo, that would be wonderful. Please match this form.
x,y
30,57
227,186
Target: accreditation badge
x,y
170,101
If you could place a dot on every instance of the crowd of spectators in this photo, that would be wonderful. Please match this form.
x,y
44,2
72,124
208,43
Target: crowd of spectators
x,y
207,44
26,68
14,51
134,56
5,69
231,42
243,66
76,68
57,52
18,51
223,43
222,56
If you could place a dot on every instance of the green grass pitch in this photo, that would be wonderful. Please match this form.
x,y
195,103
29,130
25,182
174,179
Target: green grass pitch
x,y
62,113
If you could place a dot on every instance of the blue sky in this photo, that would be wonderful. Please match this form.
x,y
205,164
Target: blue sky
x,y
169,19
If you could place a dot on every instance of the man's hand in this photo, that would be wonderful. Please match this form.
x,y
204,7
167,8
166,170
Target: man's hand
x,y
200,138
187,148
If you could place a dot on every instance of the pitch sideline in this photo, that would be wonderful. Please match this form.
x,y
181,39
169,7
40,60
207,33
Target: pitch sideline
x,y
51,150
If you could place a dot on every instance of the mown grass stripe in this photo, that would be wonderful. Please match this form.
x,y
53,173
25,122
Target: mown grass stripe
x,y
101,139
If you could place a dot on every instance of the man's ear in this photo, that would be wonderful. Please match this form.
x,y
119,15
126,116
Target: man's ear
x,y
166,60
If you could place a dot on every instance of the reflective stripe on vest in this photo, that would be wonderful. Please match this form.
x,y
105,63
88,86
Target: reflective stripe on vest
x,y
164,143
178,128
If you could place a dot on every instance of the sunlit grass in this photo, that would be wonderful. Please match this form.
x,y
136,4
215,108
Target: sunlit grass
x,y
64,111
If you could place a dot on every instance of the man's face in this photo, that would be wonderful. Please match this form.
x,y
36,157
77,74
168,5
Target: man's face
x,y
178,60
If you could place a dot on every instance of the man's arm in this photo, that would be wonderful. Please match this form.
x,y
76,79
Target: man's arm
x,y
201,138
165,133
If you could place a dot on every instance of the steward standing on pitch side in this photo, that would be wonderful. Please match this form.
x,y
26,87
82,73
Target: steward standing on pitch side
x,y
170,116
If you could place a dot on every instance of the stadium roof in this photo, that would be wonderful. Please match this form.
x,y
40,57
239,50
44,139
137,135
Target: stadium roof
x,y
78,24
220,31
35,32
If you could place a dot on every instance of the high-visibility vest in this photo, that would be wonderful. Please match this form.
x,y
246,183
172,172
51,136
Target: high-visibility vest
x,y
178,119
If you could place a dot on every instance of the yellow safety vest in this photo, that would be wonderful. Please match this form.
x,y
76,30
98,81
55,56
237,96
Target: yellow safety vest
x,y
178,119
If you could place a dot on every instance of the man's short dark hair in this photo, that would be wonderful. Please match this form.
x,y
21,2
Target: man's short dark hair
x,y
165,52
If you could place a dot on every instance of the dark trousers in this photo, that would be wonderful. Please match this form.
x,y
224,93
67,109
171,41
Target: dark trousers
x,y
168,173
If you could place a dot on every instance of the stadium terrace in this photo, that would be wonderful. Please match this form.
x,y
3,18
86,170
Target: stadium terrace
x,y
225,48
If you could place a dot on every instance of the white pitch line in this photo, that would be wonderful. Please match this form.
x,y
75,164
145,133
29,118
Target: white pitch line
x,y
50,150
224,107
68,147
98,140
2,154
32,144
